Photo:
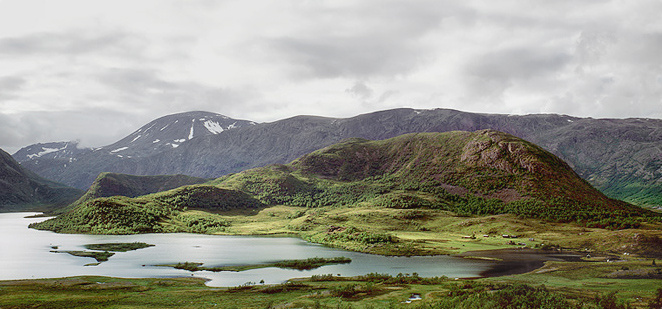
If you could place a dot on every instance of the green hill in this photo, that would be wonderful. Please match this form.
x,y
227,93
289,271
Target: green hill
x,y
379,197
115,184
485,172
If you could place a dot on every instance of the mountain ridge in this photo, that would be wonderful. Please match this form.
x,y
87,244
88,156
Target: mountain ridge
x,y
629,167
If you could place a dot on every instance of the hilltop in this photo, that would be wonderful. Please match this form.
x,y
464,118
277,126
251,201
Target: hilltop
x,y
114,184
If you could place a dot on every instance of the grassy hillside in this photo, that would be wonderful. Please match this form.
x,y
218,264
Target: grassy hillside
x,y
147,214
485,172
115,184
414,194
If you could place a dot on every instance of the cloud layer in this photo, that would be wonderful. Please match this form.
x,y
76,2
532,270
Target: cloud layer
x,y
95,71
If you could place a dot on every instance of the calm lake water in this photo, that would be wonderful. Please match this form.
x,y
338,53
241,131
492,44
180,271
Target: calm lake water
x,y
25,254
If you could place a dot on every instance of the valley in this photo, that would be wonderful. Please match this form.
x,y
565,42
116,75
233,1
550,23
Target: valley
x,y
481,196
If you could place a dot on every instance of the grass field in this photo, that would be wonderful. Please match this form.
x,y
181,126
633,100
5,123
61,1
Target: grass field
x,y
379,230
560,285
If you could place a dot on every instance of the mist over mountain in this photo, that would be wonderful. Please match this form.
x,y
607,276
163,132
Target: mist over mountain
x,y
621,157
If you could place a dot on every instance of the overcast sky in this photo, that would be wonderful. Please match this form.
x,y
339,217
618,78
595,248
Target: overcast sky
x,y
95,71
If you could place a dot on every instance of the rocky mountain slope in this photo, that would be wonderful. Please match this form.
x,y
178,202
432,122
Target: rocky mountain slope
x,y
479,173
21,189
622,157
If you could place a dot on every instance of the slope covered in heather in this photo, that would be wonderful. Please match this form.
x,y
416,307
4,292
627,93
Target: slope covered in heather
x,y
484,172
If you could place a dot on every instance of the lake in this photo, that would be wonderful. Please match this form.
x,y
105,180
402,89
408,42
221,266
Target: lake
x,y
26,254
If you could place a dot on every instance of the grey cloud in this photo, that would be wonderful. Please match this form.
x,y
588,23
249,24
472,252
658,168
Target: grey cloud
x,y
10,86
592,46
348,56
494,72
93,127
71,43
517,63
146,91
367,39
360,90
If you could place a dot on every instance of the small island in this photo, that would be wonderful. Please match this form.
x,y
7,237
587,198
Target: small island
x,y
100,256
102,252
118,247
303,264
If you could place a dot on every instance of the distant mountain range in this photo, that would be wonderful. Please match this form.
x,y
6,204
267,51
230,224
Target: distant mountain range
x,y
21,189
621,157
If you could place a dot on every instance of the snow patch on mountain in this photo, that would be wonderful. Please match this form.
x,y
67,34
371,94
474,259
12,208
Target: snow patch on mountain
x,y
45,151
119,149
190,135
214,127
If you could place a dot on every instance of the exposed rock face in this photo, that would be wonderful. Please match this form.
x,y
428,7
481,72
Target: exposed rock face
x,y
621,157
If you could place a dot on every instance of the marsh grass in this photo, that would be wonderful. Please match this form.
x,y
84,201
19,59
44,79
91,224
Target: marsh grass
x,y
369,291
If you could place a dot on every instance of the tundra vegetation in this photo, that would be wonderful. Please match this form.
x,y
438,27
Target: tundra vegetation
x,y
569,287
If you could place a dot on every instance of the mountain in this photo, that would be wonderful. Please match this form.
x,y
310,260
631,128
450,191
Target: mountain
x,y
80,167
171,131
21,189
621,157
467,173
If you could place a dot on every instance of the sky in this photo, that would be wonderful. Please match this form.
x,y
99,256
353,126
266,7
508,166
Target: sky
x,y
95,71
